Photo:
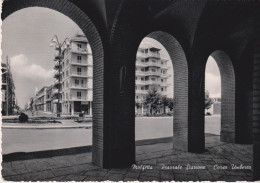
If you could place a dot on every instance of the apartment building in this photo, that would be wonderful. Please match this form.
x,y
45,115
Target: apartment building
x,y
77,77
40,99
151,71
7,89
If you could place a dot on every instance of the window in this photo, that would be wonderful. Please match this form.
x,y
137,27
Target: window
x,y
78,95
136,97
146,51
135,78
153,79
79,71
142,79
154,61
76,82
162,80
79,45
153,70
161,89
79,59
142,88
142,69
162,63
142,60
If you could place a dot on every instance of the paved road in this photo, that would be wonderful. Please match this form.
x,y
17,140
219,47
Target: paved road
x,y
28,140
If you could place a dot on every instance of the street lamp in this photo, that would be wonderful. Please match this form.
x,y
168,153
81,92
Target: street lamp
x,y
60,47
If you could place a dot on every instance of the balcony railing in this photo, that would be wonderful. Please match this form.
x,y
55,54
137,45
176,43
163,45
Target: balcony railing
x,y
141,91
79,50
78,74
149,64
84,86
149,82
78,98
83,63
149,54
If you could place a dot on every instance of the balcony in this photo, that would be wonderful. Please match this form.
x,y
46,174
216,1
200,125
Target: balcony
x,y
79,74
153,55
165,75
57,56
149,54
81,63
76,98
149,82
151,73
57,74
140,73
57,66
141,91
79,50
79,86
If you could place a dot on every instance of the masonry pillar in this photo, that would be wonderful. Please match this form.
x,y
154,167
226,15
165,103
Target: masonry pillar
x,y
256,102
244,96
228,87
196,136
180,67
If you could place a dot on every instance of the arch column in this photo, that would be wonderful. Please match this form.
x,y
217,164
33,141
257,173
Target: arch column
x,y
228,84
244,97
180,68
196,135
256,102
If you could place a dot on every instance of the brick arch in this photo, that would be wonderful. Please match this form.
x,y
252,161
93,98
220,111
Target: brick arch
x,y
85,23
180,67
227,75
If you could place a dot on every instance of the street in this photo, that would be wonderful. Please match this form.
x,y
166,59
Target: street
x,y
28,140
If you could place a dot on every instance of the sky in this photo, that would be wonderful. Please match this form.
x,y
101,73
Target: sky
x,y
26,36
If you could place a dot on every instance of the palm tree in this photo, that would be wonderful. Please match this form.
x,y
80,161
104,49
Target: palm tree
x,y
171,103
165,101
152,99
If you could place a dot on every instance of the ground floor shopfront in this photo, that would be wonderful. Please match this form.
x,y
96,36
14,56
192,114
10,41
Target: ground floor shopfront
x,y
76,107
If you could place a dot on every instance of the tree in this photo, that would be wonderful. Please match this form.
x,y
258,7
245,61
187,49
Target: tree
x,y
165,101
208,101
171,103
152,99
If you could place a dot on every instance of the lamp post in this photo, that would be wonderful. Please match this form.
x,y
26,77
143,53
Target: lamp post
x,y
60,47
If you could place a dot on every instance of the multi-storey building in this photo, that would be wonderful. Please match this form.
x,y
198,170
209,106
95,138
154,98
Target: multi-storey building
x,y
151,71
76,77
40,99
8,90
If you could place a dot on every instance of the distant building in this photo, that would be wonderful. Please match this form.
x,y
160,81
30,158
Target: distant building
x,y
8,90
151,71
40,99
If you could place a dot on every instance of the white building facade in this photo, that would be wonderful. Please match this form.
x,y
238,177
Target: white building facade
x,y
151,71
77,77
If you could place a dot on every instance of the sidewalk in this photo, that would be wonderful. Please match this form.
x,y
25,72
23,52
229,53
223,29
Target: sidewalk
x,y
160,157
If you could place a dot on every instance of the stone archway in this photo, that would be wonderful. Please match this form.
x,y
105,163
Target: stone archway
x,y
227,74
87,26
180,67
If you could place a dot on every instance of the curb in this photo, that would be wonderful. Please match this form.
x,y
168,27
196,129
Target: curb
x,y
45,127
